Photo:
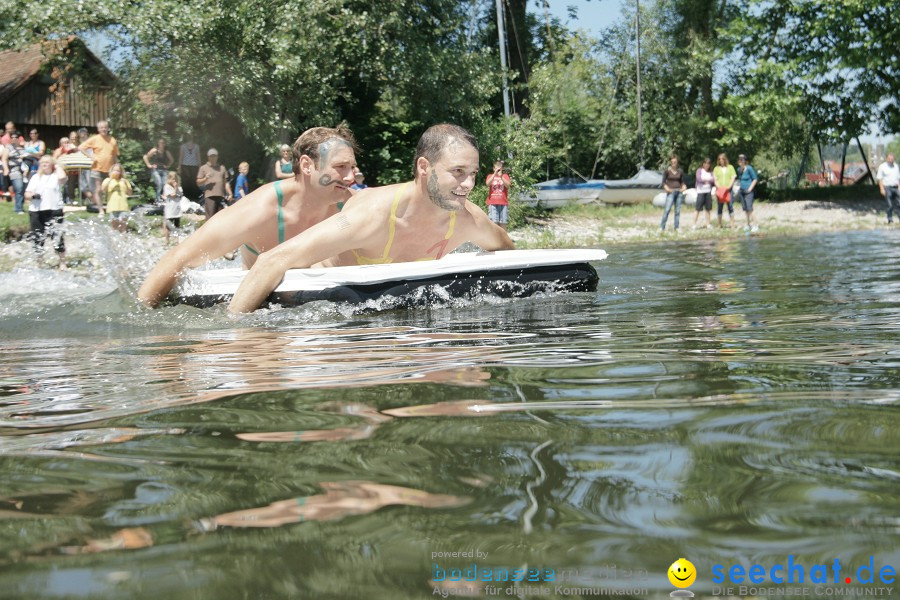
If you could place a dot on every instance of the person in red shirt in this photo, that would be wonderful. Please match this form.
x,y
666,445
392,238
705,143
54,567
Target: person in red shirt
x,y
498,195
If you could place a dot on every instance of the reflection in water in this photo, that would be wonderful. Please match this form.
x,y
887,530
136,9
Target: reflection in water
x,y
341,499
732,401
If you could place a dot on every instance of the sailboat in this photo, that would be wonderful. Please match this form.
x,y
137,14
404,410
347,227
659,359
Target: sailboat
x,y
642,187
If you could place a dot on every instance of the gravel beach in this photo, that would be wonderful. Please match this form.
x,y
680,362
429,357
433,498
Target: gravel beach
x,y
590,226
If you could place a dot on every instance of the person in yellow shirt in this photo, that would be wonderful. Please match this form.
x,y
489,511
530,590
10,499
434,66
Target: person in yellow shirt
x,y
104,151
724,175
117,189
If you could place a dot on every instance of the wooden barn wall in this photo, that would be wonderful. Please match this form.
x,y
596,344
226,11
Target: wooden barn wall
x,y
36,105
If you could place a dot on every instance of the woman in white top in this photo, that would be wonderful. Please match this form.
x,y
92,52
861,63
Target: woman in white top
x,y
45,193
704,184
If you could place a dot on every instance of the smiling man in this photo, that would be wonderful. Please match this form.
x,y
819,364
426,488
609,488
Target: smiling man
x,y
423,219
323,163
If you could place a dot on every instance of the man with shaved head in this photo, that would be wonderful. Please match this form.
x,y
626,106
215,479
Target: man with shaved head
x,y
323,163
423,219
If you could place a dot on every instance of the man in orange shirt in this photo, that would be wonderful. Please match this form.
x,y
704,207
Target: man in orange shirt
x,y
104,151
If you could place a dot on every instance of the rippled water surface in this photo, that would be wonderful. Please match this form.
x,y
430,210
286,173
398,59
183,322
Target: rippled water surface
x,y
727,401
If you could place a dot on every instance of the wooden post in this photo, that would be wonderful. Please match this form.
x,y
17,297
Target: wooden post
x,y
821,160
865,160
803,162
843,162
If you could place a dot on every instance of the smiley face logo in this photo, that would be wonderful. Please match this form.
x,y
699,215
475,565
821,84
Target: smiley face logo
x,y
682,573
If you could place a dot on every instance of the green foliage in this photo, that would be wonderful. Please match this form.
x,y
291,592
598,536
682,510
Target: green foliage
x,y
893,147
12,226
850,194
839,57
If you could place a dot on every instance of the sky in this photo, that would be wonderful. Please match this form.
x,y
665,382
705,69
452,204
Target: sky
x,y
593,15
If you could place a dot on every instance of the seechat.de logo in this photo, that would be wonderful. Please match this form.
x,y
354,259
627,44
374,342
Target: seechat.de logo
x,y
682,574
794,572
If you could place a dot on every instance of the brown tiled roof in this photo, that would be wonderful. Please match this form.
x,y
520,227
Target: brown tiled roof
x,y
17,67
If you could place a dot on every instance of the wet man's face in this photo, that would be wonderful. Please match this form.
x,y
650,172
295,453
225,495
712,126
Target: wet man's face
x,y
333,172
452,177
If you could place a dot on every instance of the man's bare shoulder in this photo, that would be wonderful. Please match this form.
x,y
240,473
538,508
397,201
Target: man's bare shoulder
x,y
374,199
472,214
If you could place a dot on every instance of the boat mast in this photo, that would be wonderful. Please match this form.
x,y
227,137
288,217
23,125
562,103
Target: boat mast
x,y
501,35
637,35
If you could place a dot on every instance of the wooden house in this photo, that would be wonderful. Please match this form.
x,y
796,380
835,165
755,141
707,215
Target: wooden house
x,y
55,86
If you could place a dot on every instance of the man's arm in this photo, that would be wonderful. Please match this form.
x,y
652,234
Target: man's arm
x,y
209,242
487,234
147,157
5,163
201,176
337,234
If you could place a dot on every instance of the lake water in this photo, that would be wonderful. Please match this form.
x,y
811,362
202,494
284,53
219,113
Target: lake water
x,y
730,401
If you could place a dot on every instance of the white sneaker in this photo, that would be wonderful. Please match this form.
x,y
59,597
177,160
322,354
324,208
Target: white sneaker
x,y
747,228
754,229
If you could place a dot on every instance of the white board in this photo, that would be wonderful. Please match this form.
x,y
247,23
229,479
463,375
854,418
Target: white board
x,y
506,273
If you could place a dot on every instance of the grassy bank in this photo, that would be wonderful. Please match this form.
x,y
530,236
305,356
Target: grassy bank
x,y
12,226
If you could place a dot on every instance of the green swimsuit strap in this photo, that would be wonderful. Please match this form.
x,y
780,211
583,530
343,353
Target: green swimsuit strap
x,y
280,195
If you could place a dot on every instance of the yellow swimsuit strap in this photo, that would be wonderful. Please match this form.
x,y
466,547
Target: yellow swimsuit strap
x,y
392,226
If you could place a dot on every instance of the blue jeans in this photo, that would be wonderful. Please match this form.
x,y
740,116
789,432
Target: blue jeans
x,y
159,181
672,198
19,189
892,196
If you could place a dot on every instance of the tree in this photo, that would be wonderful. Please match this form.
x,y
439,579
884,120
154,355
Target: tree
x,y
839,57
388,67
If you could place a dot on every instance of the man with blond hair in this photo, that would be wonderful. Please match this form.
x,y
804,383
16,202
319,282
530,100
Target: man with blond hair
x,y
323,162
423,219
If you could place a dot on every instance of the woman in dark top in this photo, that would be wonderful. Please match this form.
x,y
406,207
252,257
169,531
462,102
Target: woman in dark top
x,y
673,184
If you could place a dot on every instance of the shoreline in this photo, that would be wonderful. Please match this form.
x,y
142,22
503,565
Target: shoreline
x,y
588,226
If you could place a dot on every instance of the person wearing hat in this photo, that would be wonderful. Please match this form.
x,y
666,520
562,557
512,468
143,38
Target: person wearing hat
x,y
748,179
212,179
358,181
